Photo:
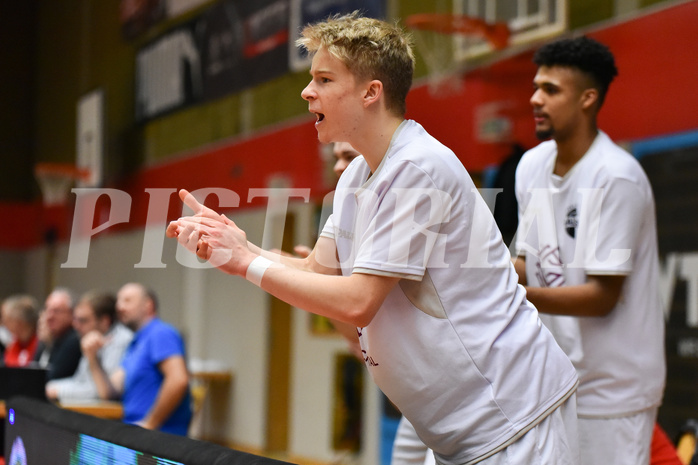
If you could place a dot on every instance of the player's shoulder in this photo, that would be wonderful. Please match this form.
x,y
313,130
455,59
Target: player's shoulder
x,y
542,151
413,142
354,174
416,150
534,159
616,162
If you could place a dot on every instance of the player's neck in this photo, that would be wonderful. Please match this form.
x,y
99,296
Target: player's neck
x,y
374,141
570,150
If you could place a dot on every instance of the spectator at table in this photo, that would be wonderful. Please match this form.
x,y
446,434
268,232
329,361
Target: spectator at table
x,y
20,314
153,380
59,351
94,315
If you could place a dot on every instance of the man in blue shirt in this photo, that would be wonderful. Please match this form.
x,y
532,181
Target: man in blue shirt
x,y
153,381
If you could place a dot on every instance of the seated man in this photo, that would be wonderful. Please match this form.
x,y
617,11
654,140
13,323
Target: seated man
x,y
95,313
153,381
60,352
20,314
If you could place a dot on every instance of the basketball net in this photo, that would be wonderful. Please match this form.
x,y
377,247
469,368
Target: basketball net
x,y
56,180
442,39
445,76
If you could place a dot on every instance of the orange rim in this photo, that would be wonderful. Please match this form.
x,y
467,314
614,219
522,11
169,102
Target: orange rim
x,y
495,33
60,169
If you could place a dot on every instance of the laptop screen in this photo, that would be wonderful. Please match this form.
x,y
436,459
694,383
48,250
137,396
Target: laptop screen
x,y
25,381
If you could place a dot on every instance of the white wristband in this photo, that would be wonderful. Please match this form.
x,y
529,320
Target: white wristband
x,y
256,270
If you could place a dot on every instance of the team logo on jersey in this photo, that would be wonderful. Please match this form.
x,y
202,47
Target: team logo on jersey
x,y
344,234
571,221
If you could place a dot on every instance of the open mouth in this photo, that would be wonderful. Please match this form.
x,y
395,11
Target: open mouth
x,y
320,117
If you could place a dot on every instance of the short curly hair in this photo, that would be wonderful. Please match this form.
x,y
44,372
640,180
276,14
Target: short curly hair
x,y
585,54
370,48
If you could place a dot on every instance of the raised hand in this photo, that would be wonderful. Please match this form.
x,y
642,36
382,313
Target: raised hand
x,y
91,342
212,237
200,211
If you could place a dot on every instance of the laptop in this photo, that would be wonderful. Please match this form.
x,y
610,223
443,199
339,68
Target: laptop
x,y
24,381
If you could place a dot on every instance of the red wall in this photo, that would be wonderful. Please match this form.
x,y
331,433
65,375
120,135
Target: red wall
x,y
655,94
249,163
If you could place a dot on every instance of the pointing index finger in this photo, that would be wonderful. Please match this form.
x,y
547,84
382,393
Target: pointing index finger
x,y
190,201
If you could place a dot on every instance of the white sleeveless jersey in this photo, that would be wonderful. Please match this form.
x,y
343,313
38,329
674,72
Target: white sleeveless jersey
x,y
455,346
605,224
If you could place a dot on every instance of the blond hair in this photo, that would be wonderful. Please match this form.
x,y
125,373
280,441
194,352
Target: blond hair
x,y
370,49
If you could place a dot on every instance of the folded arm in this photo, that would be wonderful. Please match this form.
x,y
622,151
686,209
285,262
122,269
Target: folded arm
x,y
598,296
109,387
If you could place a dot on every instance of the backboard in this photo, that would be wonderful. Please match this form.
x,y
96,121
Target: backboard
x,y
454,35
528,21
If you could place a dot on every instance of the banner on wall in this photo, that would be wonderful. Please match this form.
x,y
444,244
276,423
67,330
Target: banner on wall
x,y
231,46
179,7
138,16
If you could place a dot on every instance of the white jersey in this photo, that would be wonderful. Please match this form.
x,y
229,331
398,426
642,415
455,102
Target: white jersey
x,y
604,221
456,345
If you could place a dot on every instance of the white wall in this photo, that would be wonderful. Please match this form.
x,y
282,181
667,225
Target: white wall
x,y
12,272
224,319
313,392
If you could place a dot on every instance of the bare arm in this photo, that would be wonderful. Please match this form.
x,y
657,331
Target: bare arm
x,y
312,284
321,259
347,331
520,267
352,299
172,390
597,297
108,387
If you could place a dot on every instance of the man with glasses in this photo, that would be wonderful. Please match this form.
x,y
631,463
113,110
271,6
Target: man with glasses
x,y
59,349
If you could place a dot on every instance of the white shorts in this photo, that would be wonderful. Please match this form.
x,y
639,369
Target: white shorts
x,y
552,441
408,449
620,441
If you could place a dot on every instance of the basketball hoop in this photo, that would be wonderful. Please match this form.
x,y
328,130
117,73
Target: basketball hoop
x,y
437,37
497,34
56,179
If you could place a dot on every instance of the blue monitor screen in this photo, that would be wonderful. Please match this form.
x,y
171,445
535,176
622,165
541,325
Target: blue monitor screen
x,y
32,442
41,433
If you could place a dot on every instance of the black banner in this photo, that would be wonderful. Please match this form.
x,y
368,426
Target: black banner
x,y
671,164
231,46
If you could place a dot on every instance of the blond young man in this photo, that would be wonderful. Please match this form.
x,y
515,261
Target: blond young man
x,y
445,330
